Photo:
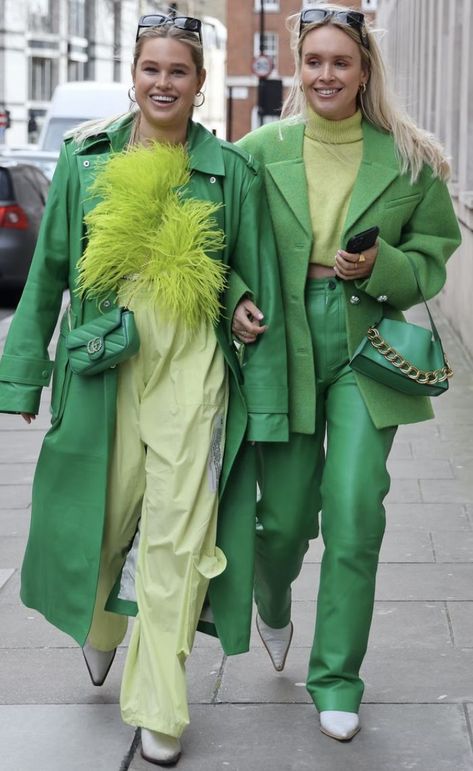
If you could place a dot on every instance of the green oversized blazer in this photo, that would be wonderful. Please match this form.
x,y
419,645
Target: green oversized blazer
x,y
416,221
60,568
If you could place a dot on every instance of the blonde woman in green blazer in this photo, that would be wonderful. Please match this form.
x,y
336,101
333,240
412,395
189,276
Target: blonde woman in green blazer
x,y
343,160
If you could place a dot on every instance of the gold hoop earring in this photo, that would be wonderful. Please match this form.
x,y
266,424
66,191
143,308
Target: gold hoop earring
x,y
199,93
363,88
131,94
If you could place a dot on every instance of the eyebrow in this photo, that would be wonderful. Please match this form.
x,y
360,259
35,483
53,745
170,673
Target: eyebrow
x,y
171,64
335,56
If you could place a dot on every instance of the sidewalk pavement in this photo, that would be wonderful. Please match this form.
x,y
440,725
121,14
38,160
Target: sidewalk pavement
x,y
418,707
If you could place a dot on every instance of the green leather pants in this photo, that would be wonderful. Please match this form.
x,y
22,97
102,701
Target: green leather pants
x,y
340,471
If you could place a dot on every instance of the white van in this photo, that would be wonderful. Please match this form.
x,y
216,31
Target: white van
x,y
76,102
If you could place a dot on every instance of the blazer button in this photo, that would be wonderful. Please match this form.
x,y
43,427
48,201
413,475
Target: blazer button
x,y
213,180
382,298
354,299
86,164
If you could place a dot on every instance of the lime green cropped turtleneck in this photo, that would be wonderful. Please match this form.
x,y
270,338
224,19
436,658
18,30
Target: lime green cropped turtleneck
x,y
332,156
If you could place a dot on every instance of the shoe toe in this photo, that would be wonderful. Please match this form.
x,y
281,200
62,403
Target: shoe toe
x,y
339,725
160,749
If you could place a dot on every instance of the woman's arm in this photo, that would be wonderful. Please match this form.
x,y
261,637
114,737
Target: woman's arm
x,y
25,367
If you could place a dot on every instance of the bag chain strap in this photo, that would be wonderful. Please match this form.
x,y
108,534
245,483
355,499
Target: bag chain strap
x,y
406,367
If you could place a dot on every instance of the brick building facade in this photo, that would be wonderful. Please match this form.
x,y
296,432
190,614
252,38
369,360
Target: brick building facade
x,y
243,25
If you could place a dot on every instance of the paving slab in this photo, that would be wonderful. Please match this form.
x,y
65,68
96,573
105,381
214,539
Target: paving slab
x,y
14,522
16,473
12,549
59,676
5,575
401,450
429,516
404,491
461,619
228,737
15,496
404,582
19,446
431,675
395,625
420,468
63,738
457,449
450,548
447,490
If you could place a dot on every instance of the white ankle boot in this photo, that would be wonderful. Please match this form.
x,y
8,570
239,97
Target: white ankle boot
x,y
160,749
339,725
276,642
98,662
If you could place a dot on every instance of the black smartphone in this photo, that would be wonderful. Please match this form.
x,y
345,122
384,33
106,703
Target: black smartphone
x,y
362,241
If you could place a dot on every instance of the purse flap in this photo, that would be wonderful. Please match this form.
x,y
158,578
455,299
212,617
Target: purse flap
x,y
99,327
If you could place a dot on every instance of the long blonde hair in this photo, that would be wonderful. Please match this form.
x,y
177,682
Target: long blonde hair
x,y
94,127
415,147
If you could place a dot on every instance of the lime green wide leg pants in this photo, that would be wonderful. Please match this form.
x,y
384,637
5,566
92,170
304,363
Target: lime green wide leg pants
x,y
163,496
340,471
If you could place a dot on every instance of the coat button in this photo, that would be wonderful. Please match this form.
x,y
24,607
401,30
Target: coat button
x,y
382,298
213,179
105,305
44,373
86,164
354,299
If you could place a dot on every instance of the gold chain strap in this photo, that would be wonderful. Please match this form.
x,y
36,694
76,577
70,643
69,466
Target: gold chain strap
x,y
404,366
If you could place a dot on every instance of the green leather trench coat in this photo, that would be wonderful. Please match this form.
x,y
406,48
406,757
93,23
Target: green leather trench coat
x,y
60,567
416,221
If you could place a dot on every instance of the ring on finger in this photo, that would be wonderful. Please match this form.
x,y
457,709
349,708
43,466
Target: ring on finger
x,y
361,258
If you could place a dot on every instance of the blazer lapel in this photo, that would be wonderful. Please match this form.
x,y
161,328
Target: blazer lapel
x,y
285,176
378,169
290,179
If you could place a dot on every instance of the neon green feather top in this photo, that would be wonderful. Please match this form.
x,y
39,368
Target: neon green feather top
x,y
143,229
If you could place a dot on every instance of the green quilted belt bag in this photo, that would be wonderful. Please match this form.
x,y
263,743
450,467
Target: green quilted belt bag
x,y
103,342
404,356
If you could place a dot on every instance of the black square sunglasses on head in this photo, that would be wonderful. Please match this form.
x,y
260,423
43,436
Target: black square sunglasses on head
x,y
352,19
186,23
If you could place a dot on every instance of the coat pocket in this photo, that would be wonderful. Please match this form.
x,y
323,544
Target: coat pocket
x,y
61,372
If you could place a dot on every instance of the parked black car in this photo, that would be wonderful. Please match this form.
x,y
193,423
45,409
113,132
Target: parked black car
x,y
23,192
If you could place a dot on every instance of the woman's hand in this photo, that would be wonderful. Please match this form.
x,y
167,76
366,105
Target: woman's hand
x,y
28,416
350,266
246,322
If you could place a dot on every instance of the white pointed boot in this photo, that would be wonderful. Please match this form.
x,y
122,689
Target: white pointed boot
x,y
276,642
160,749
98,662
339,725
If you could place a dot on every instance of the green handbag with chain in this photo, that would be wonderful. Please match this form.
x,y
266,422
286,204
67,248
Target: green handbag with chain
x,y
404,356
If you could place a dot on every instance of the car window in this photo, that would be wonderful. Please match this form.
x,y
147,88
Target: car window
x,y
5,185
25,191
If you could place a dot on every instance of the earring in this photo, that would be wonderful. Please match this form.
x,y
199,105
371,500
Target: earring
x,y
363,88
300,86
131,94
199,93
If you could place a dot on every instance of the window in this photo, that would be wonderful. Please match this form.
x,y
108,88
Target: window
x,y
39,16
42,79
270,48
268,5
75,70
77,18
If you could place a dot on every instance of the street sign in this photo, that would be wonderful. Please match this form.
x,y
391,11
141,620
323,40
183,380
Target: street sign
x,y
262,66
3,120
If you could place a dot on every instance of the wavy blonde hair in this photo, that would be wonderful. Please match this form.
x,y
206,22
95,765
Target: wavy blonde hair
x,y
94,127
414,146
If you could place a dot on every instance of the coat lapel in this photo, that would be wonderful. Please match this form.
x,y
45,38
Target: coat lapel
x,y
378,169
290,179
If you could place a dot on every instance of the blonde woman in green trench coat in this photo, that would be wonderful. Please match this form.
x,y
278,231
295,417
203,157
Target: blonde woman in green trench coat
x,y
345,159
150,210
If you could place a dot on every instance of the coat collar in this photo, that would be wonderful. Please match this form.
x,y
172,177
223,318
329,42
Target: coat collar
x,y
205,151
378,168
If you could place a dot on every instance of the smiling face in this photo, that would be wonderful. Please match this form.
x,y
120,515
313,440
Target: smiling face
x,y
166,82
331,72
